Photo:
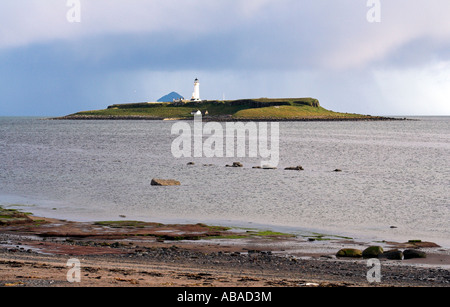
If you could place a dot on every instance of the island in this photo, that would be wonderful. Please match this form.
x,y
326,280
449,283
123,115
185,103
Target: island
x,y
261,109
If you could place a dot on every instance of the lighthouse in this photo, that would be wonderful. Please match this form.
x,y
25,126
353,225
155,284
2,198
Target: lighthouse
x,y
196,94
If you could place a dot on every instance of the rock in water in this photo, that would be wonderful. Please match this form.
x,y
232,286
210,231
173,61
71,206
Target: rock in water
x,y
165,182
269,167
294,168
235,164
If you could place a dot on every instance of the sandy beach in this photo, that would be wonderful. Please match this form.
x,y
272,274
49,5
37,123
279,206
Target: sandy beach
x,y
35,253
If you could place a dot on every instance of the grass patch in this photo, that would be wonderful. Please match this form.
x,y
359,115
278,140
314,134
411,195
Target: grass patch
x,y
292,112
9,213
325,237
13,217
251,233
262,108
269,233
319,237
159,112
214,228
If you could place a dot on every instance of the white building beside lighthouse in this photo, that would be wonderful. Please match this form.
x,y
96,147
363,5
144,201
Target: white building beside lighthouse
x,y
196,94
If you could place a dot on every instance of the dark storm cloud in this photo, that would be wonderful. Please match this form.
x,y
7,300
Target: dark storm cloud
x,y
319,48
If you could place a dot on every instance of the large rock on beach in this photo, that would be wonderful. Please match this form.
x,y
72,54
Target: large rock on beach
x,y
349,252
165,182
392,255
372,252
414,253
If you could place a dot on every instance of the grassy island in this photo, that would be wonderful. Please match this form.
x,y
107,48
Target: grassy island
x,y
267,109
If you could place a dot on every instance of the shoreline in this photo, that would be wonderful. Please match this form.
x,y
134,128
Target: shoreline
x,y
131,253
323,234
260,109
231,119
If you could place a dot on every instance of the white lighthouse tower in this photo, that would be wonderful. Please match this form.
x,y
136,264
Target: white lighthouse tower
x,y
196,94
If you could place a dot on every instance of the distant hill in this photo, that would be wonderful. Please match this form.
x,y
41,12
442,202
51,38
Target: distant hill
x,y
170,97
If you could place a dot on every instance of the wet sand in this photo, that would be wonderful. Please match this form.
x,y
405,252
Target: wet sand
x,y
154,255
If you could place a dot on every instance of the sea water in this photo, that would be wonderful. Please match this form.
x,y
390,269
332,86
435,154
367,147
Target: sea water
x,y
394,183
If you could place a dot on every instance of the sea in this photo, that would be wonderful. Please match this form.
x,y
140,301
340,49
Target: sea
x,y
394,182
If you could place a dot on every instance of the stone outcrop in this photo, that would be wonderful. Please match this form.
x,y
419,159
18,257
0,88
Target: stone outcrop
x,y
264,167
165,182
294,168
235,164
13,217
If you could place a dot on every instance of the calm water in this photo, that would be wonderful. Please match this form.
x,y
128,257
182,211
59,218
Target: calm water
x,y
394,174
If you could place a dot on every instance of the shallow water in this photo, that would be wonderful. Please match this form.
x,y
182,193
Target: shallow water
x,y
394,173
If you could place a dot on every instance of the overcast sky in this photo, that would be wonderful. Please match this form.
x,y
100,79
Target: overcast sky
x,y
139,50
